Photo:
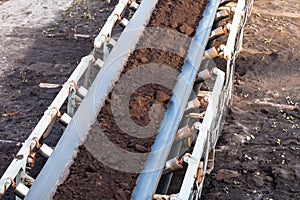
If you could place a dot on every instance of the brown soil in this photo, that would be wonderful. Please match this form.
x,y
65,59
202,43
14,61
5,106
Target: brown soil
x,y
30,56
265,165
267,70
86,170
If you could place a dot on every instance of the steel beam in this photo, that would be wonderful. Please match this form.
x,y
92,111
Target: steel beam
x,y
149,178
203,137
19,163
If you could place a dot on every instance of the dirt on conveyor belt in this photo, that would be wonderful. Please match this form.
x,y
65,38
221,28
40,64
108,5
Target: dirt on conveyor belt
x,y
88,177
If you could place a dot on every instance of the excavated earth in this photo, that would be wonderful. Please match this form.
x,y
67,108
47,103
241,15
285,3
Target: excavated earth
x,y
86,171
257,155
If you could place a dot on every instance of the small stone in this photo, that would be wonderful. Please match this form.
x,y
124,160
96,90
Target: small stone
x,y
258,181
120,195
33,93
187,29
142,51
281,173
128,193
141,148
269,178
162,96
91,168
144,60
131,144
182,52
125,186
226,173
174,25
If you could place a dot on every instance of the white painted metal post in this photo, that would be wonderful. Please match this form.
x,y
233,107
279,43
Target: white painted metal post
x,y
202,138
21,159
109,24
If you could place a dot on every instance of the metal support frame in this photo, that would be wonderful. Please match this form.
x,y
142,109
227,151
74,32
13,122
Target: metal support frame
x,y
221,30
150,176
234,42
147,182
209,128
236,22
209,133
48,179
105,32
19,162
68,91
202,142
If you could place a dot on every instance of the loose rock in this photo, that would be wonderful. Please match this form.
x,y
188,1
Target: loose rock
x,y
226,173
187,29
